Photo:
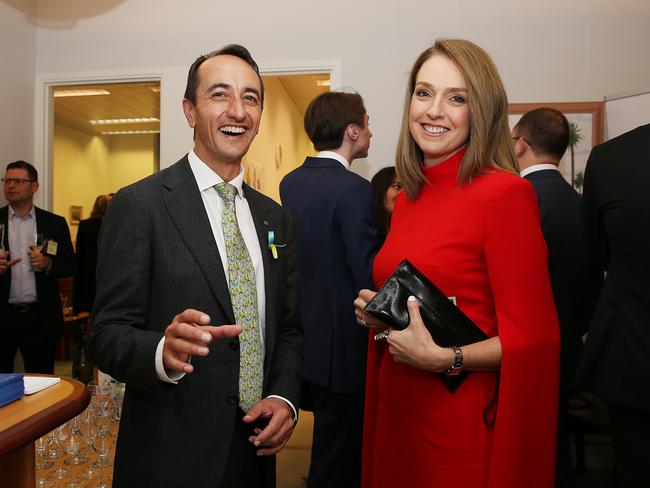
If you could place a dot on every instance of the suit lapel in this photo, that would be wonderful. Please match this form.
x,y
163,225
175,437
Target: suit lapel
x,y
185,206
260,212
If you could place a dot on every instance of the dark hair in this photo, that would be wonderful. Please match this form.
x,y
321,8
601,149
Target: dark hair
x,y
100,206
329,114
230,50
380,184
546,130
33,174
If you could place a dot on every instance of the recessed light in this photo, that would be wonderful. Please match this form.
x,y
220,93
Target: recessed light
x,y
86,92
129,132
136,120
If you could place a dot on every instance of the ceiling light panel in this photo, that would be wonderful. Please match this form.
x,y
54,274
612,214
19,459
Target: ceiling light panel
x,y
80,93
137,120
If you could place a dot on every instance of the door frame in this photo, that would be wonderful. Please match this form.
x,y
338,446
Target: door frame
x,y
174,140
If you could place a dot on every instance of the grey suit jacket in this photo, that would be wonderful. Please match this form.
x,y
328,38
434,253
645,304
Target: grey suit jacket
x,y
157,257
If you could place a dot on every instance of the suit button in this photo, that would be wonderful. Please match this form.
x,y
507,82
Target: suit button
x,y
234,344
233,400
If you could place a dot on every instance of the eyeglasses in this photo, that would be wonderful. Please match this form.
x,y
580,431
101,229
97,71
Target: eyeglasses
x,y
17,181
523,139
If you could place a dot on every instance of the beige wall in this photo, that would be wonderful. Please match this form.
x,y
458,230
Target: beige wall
x,y
546,50
86,166
17,72
281,144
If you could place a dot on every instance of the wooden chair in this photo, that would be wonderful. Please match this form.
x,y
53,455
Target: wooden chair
x,y
67,346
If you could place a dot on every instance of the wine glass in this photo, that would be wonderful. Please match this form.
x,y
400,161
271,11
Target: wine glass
x,y
103,445
54,452
89,430
36,245
73,443
42,464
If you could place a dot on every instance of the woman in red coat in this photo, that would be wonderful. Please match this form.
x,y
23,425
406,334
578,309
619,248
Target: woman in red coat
x,y
469,223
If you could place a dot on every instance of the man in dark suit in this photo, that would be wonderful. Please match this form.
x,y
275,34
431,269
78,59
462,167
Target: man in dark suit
x,y
182,253
31,317
541,137
332,211
616,362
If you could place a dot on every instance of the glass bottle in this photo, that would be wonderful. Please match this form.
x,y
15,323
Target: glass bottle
x,y
82,367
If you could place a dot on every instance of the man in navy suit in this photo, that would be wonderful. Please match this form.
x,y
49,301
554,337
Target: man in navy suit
x,y
332,211
540,139
31,318
616,361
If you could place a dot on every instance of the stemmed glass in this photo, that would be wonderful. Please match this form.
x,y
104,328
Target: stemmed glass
x,y
41,463
53,452
73,443
103,445
89,429
36,244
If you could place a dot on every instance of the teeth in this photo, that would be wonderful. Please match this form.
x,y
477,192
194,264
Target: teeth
x,y
431,129
231,129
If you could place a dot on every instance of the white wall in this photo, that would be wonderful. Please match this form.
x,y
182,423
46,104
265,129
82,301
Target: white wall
x,y
546,50
17,71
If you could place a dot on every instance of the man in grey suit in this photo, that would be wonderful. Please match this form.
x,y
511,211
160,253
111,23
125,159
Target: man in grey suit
x,y
182,253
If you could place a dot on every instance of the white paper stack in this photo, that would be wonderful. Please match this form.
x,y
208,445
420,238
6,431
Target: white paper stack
x,y
38,383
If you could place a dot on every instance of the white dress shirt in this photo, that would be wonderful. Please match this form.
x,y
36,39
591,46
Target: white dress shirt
x,y
214,205
21,232
537,167
334,155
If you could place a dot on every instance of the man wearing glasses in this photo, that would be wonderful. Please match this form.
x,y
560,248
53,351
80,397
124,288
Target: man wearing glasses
x,y
30,306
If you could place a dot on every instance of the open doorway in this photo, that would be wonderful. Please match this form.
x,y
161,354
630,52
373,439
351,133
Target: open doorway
x,y
281,144
105,136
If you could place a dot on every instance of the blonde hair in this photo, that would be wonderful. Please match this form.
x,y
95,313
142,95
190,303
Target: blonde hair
x,y
489,144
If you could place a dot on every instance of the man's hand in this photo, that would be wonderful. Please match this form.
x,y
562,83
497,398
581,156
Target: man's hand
x,y
39,261
5,262
280,425
189,335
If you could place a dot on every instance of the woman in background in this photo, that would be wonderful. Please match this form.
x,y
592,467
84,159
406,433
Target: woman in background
x,y
86,256
385,188
469,223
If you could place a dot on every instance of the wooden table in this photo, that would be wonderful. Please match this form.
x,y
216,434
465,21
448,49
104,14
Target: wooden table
x,y
25,420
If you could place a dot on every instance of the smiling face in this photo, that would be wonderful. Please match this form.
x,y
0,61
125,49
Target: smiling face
x,y
227,113
439,113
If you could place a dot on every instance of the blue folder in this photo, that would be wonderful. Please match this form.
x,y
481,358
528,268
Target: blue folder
x,y
12,387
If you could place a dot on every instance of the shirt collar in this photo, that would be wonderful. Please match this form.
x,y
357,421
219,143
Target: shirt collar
x,y
30,214
206,178
537,167
334,155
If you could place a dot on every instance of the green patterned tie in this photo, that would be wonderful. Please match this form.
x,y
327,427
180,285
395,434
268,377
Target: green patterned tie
x,y
243,293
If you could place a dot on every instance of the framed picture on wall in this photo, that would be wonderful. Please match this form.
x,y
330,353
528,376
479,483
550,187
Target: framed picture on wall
x,y
586,123
75,214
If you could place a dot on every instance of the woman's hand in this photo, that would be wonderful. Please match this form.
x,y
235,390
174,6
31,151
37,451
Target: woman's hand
x,y
363,319
415,347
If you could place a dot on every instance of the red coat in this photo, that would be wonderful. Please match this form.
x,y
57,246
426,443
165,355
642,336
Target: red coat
x,y
481,243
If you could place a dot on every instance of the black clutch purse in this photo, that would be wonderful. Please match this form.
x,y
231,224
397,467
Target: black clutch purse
x,y
446,323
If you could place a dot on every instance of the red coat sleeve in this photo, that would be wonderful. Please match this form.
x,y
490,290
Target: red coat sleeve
x,y
524,444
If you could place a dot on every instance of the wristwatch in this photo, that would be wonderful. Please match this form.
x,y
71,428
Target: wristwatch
x,y
457,366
